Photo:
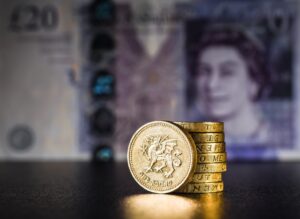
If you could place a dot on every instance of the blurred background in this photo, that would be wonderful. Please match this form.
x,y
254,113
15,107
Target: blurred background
x,y
78,77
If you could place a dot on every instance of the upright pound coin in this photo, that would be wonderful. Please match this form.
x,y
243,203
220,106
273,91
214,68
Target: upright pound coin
x,y
161,157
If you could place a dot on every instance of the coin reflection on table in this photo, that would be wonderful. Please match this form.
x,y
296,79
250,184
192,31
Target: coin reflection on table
x,y
148,206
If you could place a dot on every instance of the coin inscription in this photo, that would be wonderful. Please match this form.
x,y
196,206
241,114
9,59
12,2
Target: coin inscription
x,y
161,157
206,177
207,137
202,187
212,158
211,168
204,148
202,126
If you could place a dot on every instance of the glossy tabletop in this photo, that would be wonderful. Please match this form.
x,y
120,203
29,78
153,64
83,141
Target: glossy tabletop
x,y
87,190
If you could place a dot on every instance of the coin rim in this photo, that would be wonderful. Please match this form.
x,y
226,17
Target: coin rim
x,y
182,190
197,139
194,126
212,164
209,155
219,178
214,144
192,148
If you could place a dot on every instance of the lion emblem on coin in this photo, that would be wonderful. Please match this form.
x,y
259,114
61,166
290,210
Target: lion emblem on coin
x,y
162,154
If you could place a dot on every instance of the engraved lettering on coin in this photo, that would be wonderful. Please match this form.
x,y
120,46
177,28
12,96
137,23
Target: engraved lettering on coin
x,y
212,158
202,187
207,177
162,155
202,126
207,137
211,168
203,148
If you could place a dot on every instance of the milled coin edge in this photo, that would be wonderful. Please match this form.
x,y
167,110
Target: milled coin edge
x,y
198,126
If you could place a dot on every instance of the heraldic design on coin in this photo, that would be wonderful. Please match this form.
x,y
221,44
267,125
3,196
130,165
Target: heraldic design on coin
x,y
162,154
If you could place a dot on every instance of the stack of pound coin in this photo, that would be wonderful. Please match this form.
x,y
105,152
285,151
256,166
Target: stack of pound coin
x,y
211,156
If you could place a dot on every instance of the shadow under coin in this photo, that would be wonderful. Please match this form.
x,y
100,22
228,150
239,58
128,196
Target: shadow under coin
x,y
148,206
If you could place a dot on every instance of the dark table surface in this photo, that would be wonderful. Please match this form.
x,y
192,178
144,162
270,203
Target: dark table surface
x,y
85,190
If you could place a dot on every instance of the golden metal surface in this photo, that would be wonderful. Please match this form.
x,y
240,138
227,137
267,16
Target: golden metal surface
x,y
211,158
183,206
161,157
202,126
210,147
211,168
202,187
206,177
207,137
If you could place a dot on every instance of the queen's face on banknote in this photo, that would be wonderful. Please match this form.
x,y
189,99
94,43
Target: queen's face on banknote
x,y
223,82
230,77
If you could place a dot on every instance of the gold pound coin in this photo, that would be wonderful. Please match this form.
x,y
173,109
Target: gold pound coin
x,y
202,187
210,147
211,158
206,177
207,137
161,157
211,168
202,126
